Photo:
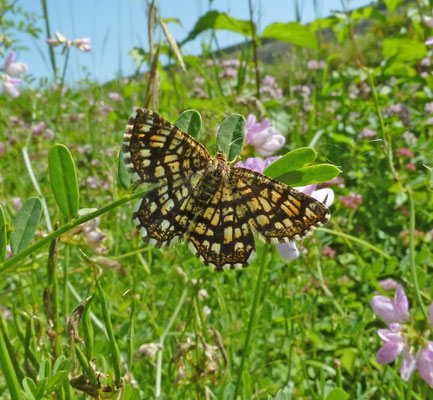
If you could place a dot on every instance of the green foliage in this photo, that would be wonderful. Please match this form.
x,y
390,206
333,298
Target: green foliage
x,y
25,224
292,32
392,4
123,174
337,394
292,160
8,370
219,21
291,169
190,122
406,50
155,322
3,235
114,348
63,178
309,175
231,136
139,56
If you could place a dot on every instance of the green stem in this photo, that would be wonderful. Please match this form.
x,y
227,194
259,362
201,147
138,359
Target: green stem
x,y
386,138
251,321
65,281
161,340
412,253
62,80
355,239
8,371
254,42
70,225
325,289
47,28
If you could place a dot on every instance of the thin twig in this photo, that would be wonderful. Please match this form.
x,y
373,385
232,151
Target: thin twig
x,y
47,28
253,40
72,224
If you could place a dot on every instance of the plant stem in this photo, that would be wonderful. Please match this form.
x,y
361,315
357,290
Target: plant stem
x,y
163,336
65,281
72,224
47,28
386,137
412,253
355,239
62,81
325,289
253,40
8,371
251,321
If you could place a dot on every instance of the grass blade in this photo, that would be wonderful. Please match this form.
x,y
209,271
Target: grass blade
x,y
131,333
114,348
7,367
3,235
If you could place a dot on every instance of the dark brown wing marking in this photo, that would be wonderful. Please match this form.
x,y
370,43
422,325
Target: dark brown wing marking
x,y
220,237
276,212
155,150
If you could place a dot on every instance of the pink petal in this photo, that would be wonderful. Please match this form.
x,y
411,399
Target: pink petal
x,y
265,124
9,59
401,303
429,41
260,137
288,251
270,160
385,308
271,145
52,42
255,164
425,364
251,120
428,21
388,284
394,327
309,189
389,336
16,68
262,128
11,89
389,352
15,81
408,364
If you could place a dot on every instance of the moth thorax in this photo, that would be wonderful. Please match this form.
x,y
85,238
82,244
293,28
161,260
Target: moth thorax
x,y
221,157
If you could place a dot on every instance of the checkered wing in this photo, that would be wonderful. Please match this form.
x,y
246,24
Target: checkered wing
x,y
220,236
155,151
165,213
275,212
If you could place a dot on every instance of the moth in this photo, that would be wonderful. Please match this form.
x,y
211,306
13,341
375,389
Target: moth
x,y
215,207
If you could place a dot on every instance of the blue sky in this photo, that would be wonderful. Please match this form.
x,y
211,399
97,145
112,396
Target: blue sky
x,y
116,26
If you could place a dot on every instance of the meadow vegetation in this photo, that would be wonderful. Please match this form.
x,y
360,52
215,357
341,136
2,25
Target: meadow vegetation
x,y
89,310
